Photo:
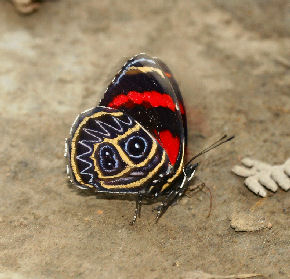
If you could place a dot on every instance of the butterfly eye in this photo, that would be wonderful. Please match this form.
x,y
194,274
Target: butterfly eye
x,y
108,159
136,146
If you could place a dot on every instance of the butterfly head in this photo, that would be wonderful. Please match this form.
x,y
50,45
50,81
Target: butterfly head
x,y
189,171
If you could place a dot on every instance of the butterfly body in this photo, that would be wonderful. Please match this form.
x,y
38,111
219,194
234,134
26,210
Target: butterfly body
x,y
134,141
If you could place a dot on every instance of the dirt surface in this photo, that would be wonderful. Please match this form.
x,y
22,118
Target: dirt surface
x,y
231,59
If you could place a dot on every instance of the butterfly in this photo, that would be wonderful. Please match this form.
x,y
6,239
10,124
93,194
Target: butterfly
x,y
134,141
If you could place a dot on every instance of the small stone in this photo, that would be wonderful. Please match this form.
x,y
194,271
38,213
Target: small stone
x,y
100,212
248,222
177,264
26,6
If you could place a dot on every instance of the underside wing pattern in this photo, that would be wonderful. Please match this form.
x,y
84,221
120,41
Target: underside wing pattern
x,y
112,152
146,90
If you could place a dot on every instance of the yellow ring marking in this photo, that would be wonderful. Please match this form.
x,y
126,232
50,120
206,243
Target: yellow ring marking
x,y
138,182
123,155
145,69
74,139
166,185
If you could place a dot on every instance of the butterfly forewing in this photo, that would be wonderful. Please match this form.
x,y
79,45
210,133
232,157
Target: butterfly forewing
x,y
146,90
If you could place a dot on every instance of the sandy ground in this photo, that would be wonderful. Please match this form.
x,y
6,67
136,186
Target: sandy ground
x,y
231,59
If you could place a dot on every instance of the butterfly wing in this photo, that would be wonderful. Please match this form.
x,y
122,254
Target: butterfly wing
x,y
146,90
110,151
177,92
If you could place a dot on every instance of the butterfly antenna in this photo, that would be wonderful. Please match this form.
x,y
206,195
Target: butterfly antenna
x,y
219,142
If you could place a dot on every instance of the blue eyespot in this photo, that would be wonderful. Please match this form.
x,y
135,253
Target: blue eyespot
x,y
108,158
136,146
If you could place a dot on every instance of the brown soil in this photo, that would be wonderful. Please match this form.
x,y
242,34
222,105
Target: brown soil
x,y
231,59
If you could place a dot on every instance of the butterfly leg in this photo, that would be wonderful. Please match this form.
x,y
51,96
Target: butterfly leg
x,y
172,197
137,209
178,191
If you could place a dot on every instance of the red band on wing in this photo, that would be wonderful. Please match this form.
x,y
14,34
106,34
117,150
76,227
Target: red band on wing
x,y
181,108
170,143
151,98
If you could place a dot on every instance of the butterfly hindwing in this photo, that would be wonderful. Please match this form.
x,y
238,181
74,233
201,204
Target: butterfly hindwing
x,y
146,90
110,151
